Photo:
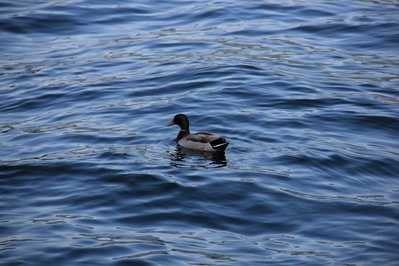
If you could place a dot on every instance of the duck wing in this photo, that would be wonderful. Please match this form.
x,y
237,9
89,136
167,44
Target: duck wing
x,y
202,137
215,141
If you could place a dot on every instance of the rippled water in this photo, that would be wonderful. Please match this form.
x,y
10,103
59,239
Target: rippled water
x,y
305,91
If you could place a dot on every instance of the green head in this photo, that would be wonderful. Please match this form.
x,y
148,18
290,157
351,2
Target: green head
x,y
180,120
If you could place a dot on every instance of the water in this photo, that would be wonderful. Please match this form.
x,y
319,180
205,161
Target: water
x,y
305,91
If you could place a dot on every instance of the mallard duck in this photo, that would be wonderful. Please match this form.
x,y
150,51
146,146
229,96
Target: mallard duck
x,y
200,141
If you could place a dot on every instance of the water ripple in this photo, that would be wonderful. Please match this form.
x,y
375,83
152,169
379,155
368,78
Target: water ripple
x,y
305,92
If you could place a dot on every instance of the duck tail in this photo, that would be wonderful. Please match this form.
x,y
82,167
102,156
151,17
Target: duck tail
x,y
219,144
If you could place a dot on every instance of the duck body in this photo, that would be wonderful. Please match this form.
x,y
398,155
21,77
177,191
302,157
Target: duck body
x,y
201,141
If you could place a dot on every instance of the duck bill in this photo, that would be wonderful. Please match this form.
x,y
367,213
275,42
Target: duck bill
x,y
170,124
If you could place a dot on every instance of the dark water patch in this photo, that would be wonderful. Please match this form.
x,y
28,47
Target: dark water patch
x,y
41,23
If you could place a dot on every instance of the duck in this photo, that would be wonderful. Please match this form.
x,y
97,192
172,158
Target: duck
x,y
201,141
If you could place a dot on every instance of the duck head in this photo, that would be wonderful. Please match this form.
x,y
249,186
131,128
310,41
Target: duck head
x,y
180,120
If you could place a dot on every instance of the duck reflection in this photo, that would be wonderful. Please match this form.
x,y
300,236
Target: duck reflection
x,y
186,158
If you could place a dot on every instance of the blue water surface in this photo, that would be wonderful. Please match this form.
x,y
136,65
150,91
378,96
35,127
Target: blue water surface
x,y
306,92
